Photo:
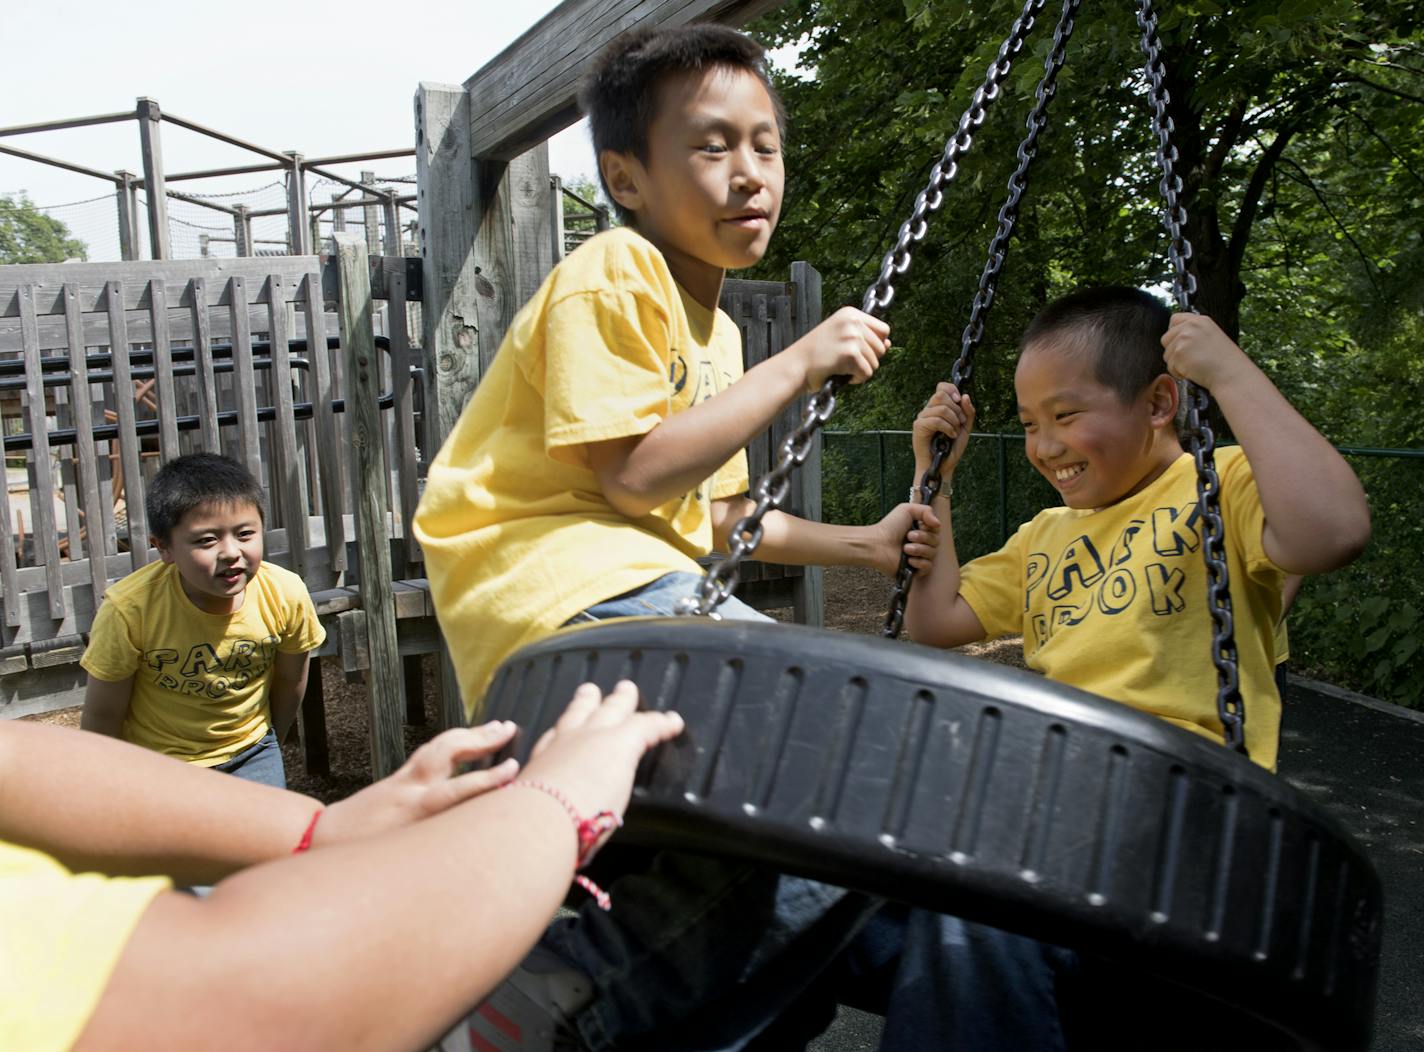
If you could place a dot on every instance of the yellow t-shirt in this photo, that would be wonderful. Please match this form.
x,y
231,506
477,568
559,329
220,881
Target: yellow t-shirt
x,y
200,692
1114,601
61,934
516,532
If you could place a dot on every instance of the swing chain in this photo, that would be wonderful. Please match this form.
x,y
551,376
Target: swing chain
x,y
962,372
1201,439
721,578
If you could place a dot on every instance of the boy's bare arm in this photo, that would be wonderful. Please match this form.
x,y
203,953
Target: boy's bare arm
x,y
1317,516
640,472
936,614
106,704
802,542
289,684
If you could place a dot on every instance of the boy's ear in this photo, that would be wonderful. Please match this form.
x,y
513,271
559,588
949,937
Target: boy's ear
x,y
163,552
1164,396
622,174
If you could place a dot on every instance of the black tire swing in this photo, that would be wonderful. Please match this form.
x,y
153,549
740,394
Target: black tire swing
x,y
982,790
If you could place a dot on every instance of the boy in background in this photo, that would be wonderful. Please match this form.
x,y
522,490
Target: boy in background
x,y
203,655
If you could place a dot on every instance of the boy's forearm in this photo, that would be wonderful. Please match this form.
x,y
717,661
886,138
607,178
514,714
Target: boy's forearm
x,y
101,721
283,703
478,882
1317,515
796,541
137,812
687,448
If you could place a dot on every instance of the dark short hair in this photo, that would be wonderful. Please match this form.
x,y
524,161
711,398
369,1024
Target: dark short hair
x,y
619,92
196,480
1122,328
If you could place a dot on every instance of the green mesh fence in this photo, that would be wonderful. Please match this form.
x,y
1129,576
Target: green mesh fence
x,y
1361,627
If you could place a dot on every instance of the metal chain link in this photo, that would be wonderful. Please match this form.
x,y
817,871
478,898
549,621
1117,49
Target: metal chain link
x,y
721,578
963,370
1201,440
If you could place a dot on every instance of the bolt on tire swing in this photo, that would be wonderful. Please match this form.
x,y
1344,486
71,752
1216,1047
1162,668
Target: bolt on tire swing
x,y
1011,800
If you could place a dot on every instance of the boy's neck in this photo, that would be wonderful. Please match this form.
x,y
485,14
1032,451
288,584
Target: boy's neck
x,y
701,280
1165,452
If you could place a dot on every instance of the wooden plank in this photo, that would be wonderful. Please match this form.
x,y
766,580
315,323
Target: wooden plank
x,y
287,466
449,220
62,650
244,379
38,691
69,480
96,546
331,457
413,669
128,438
402,361
530,188
13,659
808,598
54,336
203,355
368,484
9,583
137,278
163,374
527,93
311,722
46,533
452,706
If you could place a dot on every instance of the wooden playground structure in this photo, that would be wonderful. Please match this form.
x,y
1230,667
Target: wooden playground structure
x,y
301,367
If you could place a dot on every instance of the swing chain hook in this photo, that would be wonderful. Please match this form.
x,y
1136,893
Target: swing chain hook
x,y
721,578
962,372
1201,439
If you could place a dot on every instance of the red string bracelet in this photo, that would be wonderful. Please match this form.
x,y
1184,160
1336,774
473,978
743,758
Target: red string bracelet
x,y
589,830
306,839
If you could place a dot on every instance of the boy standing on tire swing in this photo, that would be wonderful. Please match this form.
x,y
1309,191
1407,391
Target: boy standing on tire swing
x,y
599,457
1109,591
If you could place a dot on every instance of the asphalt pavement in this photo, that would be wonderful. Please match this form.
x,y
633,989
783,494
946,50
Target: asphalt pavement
x,y
1363,761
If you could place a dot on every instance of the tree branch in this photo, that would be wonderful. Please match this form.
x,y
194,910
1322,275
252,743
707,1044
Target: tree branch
x,y
1386,89
1309,183
1226,140
1251,199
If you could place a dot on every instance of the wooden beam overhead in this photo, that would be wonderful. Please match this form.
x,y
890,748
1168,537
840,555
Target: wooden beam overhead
x,y
527,92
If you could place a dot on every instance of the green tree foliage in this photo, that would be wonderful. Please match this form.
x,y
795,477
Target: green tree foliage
x,y
1300,131
27,235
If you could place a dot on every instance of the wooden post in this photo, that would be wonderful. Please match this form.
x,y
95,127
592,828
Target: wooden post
x,y
601,220
556,207
370,216
242,231
151,142
808,596
203,252
338,215
393,239
128,225
368,484
449,218
311,723
298,234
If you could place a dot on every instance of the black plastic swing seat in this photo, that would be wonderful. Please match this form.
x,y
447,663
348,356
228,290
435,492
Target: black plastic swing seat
x,y
987,792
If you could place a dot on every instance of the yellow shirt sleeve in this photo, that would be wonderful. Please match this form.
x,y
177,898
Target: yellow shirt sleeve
x,y
61,935
304,630
993,586
113,652
612,341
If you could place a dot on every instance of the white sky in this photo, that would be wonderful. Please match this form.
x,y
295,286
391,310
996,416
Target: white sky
x,y
317,78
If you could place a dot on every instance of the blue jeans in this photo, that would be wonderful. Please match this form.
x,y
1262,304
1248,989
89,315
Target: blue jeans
x,y
259,762
707,954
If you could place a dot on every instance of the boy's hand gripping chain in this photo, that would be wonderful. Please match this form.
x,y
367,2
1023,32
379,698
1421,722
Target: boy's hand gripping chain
x,y
973,335
721,578
1201,440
